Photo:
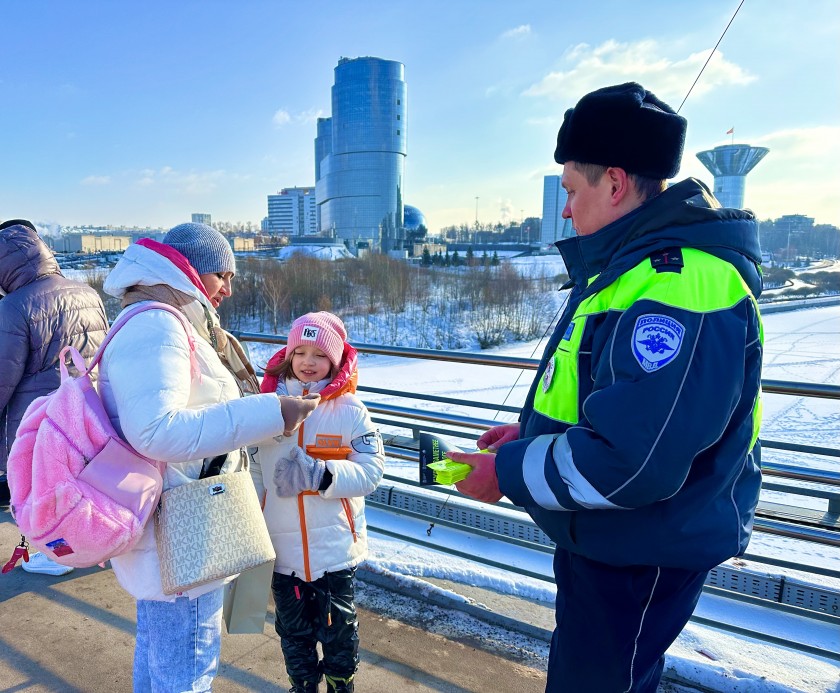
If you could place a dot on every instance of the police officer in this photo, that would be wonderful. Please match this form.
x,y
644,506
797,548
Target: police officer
x,y
636,450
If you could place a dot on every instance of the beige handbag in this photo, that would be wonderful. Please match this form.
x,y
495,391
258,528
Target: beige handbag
x,y
210,529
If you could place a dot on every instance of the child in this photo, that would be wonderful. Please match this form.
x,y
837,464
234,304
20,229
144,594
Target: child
x,y
314,506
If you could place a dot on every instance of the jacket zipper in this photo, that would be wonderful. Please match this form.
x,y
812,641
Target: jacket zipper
x,y
304,538
345,503
348,511
302,512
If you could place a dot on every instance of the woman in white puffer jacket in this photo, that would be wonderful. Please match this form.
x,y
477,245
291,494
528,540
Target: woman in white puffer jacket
x,y
169,412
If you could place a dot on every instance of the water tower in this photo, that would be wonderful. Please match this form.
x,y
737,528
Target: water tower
x,y
730,164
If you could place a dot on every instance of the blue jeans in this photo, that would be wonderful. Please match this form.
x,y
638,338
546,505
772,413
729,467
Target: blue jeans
x,y
178,644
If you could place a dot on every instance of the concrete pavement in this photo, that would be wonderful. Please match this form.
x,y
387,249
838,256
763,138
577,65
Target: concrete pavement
x,y
75,634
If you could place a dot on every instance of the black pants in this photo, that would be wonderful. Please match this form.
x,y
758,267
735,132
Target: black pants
x,y
615,623
320,611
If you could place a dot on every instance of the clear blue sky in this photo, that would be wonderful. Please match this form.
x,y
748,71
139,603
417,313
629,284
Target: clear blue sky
x,y
141,113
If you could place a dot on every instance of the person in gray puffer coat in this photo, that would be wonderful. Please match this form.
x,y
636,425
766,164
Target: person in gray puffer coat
x,y
41,312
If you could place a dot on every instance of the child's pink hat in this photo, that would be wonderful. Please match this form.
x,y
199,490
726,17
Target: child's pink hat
x,y
323,330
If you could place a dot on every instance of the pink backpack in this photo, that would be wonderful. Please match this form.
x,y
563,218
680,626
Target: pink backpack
x,y
80,494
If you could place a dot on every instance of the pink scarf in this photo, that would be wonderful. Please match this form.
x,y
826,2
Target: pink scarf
x,y
176,259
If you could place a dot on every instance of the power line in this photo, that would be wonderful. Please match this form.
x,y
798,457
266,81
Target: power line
x,y
710,55
696,79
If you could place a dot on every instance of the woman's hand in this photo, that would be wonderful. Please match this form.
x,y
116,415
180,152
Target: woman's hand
x,y
295,410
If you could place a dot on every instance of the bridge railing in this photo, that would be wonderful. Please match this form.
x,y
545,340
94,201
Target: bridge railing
x,y
402,495
780,387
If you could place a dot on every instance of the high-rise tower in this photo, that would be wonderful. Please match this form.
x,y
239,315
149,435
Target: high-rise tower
x,y
554,226
730,164
360,155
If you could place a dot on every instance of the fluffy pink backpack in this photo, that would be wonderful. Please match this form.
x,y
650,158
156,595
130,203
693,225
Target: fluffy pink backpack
x,y
80,494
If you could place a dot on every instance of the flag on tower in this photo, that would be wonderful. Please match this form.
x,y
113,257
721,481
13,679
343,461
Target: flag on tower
x,y
731,131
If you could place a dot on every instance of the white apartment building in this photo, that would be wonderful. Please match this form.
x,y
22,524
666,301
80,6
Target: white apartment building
x,y
292,211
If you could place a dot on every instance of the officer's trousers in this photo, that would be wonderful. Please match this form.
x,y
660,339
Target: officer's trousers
x,y
615,623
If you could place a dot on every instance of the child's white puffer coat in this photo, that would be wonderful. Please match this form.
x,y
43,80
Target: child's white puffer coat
x,y
317,532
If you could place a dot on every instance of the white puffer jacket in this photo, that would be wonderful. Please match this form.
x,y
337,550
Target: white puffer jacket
x,y
166,414
324,531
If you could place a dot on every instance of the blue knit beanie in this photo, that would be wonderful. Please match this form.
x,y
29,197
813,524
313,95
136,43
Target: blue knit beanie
x,y
207,250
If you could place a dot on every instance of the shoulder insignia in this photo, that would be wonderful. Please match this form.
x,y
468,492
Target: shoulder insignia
x,y
667,260
656,341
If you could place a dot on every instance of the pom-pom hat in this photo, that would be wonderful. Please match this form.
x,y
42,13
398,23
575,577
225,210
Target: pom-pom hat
x,y
207,250
323,330
624,126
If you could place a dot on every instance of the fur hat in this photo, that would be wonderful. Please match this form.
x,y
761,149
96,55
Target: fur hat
x,y
207,250
323,330
624,126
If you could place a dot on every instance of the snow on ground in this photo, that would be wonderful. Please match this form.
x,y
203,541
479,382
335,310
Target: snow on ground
x,y
322,252
800,345
796,283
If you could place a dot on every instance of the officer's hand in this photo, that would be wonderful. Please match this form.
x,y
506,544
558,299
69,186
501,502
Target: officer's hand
x,y
493,439
482,483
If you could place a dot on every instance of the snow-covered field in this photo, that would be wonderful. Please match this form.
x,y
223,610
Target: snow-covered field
x,y
800,345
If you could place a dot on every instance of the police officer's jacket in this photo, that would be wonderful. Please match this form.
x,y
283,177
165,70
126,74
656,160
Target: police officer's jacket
x,y
638,439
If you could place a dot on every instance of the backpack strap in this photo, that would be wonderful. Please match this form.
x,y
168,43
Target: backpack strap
x,y
78,361
122,320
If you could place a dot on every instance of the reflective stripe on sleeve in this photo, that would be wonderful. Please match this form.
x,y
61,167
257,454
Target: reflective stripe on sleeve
x,y
533,472
580,489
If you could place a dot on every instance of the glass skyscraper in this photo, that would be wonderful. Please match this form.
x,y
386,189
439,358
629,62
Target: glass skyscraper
x,y
360,155
554,226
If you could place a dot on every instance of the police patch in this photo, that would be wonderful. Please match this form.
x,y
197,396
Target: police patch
x,y
656,341
548,376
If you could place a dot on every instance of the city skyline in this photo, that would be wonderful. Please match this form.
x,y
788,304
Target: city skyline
x,y
140,115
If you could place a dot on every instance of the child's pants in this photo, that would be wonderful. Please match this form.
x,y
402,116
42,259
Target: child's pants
x,y
320,611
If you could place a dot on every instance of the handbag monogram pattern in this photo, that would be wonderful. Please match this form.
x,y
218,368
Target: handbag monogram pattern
x,y
210,529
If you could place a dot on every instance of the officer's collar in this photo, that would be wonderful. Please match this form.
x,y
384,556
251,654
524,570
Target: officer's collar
x,y
586,256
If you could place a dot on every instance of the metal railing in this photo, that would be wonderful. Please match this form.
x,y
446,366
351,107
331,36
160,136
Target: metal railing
x,y
798,523
415,419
